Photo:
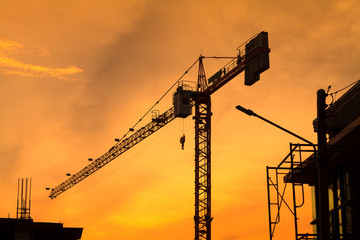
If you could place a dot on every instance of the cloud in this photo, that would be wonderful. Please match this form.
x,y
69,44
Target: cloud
x,y
12,66
7,46
10,50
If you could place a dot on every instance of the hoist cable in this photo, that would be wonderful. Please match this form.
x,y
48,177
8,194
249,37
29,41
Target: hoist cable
x,y
131,129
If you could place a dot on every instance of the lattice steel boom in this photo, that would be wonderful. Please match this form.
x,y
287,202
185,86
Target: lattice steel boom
x,y
115,151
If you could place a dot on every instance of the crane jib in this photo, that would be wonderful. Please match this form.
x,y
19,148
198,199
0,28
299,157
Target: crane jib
x,y
115,151
219,79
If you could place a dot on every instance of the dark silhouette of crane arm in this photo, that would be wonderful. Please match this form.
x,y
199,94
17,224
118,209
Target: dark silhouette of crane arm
x,y
232,69
209,86
115,151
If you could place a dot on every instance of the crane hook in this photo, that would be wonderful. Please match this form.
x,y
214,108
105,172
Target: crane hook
x,y
182,141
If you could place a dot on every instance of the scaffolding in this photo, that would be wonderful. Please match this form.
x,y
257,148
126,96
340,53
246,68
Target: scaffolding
x,y
299,168
295,171
331,168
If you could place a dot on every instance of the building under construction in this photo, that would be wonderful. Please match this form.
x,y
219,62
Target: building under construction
x,y
24,228
27,229
331,168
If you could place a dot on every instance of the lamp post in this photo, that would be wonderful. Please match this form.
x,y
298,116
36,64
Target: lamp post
x,y
251,113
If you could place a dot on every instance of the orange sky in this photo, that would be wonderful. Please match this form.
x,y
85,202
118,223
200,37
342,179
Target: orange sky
x,y
74,75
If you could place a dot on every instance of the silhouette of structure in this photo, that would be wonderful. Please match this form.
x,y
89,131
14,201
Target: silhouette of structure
x,y
330,168
23,199
27,229
24,228
253,58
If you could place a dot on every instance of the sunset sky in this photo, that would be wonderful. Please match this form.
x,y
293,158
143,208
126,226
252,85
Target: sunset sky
x,y
74,75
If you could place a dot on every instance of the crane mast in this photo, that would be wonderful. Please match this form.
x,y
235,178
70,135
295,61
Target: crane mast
x,y
202,216
253,57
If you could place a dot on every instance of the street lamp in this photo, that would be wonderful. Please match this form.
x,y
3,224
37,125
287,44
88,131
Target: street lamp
x,y
251,113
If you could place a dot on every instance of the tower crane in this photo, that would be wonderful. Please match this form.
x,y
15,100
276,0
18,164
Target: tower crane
x,y
253,58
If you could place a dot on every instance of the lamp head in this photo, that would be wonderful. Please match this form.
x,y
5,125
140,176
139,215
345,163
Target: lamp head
x,y
246,111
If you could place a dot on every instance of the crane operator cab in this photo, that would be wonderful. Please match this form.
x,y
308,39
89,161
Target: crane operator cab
x,y
182,102
182,106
